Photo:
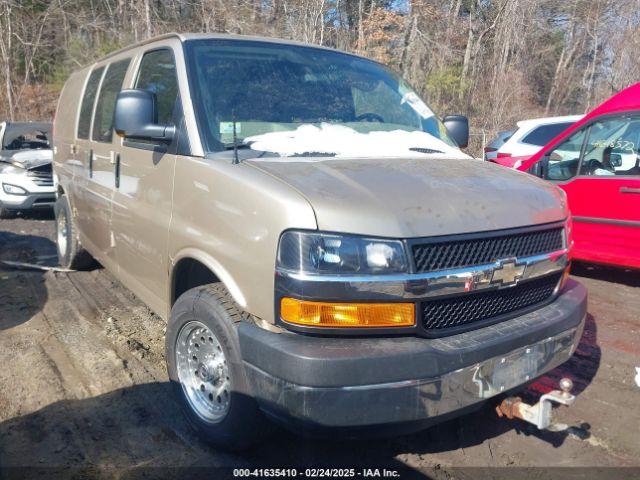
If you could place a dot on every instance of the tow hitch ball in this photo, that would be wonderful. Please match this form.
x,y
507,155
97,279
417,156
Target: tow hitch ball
x,y
540,413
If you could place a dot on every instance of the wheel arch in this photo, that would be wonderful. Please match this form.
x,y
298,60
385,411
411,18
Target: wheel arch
x,y
192,268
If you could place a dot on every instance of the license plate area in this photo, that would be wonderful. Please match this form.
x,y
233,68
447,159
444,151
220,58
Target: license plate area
x,y
515,369
503,373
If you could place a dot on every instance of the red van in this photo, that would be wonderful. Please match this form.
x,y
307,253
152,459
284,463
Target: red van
x,y
596,162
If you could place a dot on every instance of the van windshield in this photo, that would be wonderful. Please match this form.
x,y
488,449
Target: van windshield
x,y
302,101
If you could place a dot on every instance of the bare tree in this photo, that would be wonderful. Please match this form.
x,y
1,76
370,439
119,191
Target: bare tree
x,y
496,60
6,36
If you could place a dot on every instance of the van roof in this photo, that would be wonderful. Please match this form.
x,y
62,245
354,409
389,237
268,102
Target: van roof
x,y
183,37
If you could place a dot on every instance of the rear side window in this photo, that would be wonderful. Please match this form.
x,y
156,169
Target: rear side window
x,y
158,75
500,139
111,86
540,136
84,122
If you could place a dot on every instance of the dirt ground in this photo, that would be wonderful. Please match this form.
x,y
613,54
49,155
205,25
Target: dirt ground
x,y
83,386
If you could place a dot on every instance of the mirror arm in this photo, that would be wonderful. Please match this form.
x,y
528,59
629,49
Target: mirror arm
x,y
169,133
163,133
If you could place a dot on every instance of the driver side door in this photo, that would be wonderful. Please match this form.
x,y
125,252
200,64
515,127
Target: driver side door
x,y
143,196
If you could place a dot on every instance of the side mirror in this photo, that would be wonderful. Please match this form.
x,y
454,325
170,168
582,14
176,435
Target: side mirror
x,y
136,116
458,128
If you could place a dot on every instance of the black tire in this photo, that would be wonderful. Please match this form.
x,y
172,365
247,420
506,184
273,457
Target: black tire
x,y
243,424
6,213
73,257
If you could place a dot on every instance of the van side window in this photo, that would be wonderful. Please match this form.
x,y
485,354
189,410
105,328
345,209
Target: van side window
x,y
84,121
613,148
158,75
565,158
111,86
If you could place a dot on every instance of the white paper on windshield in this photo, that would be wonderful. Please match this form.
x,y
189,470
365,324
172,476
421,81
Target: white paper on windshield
x,y
417,104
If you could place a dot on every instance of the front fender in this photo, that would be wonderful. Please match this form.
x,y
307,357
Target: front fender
x,y
214,266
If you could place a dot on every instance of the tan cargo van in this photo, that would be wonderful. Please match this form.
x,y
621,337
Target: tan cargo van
x,y
324,253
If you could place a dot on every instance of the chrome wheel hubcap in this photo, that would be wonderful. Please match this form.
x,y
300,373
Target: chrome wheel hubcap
x,y
62,233
203,371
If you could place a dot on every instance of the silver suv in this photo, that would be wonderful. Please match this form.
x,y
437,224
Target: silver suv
x,y
26,181
323,252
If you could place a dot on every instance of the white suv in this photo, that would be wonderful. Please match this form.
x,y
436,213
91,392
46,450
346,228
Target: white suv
x,y
26,180
533,134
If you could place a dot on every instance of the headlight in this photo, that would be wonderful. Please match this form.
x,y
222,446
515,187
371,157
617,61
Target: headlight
x,y
324,253
13,189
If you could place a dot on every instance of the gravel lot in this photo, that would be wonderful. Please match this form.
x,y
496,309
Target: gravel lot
x,y
84,386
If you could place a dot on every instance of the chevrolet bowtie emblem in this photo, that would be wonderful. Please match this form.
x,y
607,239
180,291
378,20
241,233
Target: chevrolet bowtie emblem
x,y
508,273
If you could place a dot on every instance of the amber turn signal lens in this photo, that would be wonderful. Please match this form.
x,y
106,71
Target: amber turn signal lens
x,y
347,315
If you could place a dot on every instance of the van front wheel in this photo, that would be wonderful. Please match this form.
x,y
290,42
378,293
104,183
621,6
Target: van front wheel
x,y
206,371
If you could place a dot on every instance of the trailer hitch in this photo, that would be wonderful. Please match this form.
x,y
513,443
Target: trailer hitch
x,y
539,414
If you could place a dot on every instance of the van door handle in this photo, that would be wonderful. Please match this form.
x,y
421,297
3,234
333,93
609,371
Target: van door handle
x,y
629,190
117,172
90,161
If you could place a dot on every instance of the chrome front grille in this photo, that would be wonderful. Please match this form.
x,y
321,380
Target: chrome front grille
x,y
467,251
461,311
41,178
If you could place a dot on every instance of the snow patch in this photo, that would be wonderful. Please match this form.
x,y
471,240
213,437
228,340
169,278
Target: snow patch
x,y
344,141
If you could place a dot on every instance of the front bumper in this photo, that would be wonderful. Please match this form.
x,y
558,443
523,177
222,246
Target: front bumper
x,y
28,202
37,196
363,382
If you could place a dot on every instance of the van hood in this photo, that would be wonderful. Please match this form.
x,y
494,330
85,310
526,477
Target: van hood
x,y
412,197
